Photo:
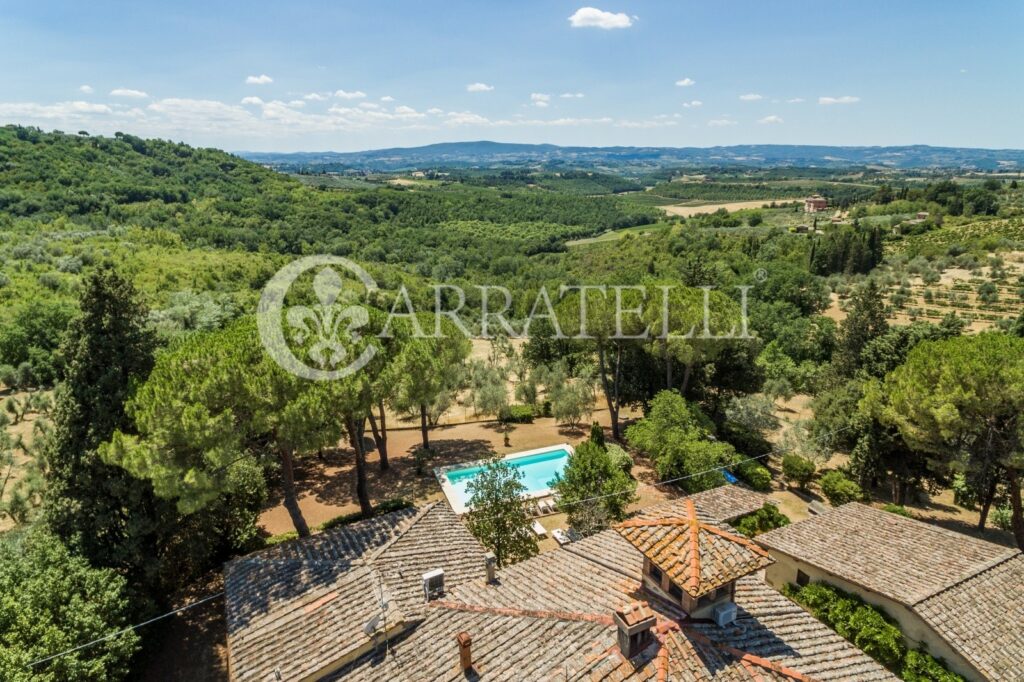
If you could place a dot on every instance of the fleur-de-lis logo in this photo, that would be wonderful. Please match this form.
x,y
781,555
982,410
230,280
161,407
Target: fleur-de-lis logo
x,y
325,323
328,331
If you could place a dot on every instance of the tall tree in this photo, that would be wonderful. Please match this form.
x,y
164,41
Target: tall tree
x,y
594,490
497,517
961,399
98,509
675,435
54,600
866,321
199,429
429,370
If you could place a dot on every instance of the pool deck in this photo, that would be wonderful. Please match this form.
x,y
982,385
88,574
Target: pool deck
x,y
441,473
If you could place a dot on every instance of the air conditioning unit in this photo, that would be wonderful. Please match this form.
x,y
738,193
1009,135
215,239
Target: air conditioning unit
x,y
723,614
433,584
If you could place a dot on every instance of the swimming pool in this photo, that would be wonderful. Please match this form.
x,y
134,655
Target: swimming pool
x,y
538,468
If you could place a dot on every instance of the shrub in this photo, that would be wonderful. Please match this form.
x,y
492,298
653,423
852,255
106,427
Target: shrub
x,y
763,520
919,666
50,280
755,475
839,489
897,509
422,456
278,539
516,414
1002,518
798,469
385,507
8,376
620,457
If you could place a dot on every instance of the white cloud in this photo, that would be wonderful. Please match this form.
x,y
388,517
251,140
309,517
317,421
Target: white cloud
x,y
479,87
315,97
571,95
686,82
387,98
795,100
539,99
771,119
462,118
87,89
369,105
693,104
128,92
721,122
751,97
434,111
963,70
845,99
297,103
591,17
61,111
344,94
252,100
657,122
262,79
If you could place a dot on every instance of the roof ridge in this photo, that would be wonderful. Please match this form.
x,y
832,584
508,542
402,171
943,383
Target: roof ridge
x,y
745,657
994,563
695,567
371,557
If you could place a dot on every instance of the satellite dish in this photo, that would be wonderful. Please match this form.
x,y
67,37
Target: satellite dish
x,y
372,625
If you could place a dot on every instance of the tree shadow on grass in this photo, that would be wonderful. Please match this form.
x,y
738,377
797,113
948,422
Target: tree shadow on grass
x,y
334,482
990,534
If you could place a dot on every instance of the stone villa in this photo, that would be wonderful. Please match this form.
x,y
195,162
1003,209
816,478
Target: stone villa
x,y
672,594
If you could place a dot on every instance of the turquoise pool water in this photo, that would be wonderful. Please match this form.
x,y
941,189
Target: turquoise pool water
x,y
538,472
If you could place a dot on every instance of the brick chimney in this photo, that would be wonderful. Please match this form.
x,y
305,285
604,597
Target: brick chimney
x,y
465,641
635,623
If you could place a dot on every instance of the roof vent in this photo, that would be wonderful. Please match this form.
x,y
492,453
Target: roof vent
x,y
724,614
635,623
433,584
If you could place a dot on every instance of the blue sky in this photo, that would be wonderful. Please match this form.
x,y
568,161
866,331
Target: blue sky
x,y
349,75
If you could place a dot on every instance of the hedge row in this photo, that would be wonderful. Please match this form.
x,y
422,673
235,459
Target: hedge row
x,y
871,630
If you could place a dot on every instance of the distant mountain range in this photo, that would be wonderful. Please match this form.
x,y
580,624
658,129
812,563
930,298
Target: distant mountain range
x,y
499,154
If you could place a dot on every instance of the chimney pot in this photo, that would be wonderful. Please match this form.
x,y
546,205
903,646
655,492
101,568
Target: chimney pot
x,y
465,642
491,564
635,623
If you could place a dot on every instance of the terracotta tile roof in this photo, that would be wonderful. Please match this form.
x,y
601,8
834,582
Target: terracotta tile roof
x,y
900,558
722,504
300,607
547,618
982,618
697,555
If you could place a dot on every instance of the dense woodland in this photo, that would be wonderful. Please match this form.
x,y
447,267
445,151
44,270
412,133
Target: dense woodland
x,y
125,263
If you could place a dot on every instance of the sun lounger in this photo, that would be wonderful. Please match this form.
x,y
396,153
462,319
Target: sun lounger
x,y
561,536
539,530
546,507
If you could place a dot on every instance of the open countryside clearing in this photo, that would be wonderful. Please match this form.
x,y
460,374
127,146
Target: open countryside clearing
x,y
688,208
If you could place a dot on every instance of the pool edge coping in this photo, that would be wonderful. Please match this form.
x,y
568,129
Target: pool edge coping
x,y
440,473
